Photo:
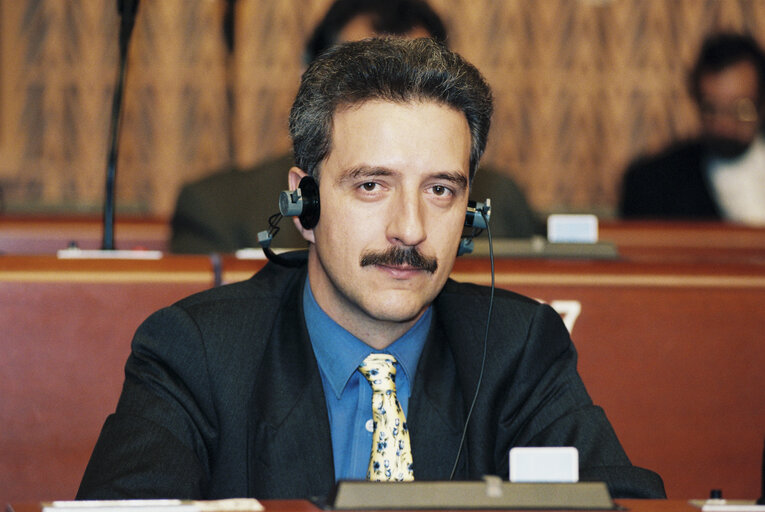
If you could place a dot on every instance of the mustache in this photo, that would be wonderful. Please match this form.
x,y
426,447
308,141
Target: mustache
x,y
397,256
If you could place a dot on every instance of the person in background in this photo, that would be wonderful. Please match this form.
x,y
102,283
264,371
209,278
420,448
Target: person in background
x,y
224,212
360,359
720,175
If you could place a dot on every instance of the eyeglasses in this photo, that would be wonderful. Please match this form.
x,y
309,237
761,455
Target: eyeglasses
x,y
743,110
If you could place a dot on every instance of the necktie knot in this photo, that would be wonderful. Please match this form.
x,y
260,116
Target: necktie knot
x,y
380,371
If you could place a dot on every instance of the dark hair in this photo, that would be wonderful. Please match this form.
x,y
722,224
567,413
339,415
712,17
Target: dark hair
x,y
389,69
722,50
388,17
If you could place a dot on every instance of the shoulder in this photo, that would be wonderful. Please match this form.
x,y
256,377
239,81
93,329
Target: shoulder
x,y
270,285
223,330
678,158
271,173
457,294
464,309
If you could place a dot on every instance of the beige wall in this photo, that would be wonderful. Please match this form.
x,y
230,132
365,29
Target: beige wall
x,y
580,85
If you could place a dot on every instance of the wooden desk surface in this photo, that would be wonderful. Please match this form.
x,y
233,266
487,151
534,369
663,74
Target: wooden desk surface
x,y
48,234
652,240
306,506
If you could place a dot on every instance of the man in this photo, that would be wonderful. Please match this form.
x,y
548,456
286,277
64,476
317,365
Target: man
x,y
259,388
224,212
721,174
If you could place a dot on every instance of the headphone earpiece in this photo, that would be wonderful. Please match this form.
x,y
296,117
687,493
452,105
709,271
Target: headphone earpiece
x,y
476,217
478,214
303,202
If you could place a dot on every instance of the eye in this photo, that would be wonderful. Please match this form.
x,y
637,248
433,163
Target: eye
x,y
369,186
440,190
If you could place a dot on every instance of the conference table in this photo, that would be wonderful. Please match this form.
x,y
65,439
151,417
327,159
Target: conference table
x,y
306,506
670,343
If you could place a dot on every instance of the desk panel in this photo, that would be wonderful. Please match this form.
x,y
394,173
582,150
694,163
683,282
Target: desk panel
x,y
305,506
666,241
66,329
46,235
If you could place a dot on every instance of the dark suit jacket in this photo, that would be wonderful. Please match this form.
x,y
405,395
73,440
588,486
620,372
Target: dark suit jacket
x,y
670,185
224,212
223,398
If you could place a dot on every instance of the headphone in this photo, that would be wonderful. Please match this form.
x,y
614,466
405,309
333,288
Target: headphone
x,y
303,203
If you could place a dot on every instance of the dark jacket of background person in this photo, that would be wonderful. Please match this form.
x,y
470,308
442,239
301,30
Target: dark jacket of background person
x,y
670,185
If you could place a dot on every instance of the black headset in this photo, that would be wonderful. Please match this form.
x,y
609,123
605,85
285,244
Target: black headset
x,y
303,203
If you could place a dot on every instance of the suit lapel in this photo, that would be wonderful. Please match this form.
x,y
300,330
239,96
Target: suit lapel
x,y
289,445
436,414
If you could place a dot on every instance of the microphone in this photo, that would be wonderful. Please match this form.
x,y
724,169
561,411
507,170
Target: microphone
x,y
229,25
265,238
229,39
127,10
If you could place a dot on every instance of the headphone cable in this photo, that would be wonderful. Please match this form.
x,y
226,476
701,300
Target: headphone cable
x,y
485,345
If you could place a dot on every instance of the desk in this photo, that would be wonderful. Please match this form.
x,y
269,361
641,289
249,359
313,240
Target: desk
x,y
673,352
305,506
46,235
65,331
665,241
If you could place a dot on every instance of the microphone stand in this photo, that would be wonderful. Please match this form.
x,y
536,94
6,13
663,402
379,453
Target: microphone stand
x,y
127,10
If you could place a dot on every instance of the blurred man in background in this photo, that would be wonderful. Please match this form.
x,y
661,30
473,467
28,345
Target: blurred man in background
x,y
720,174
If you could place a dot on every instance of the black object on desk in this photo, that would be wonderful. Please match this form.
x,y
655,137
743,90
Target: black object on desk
x,y
491,493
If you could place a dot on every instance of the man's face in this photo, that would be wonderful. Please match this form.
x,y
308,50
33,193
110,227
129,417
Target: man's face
x,y
729,108
393,191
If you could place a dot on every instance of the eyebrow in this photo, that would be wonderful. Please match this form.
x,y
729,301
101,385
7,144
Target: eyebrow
x,y
363,171
457,178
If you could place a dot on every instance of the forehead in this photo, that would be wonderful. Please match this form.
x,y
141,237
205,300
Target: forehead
x,y
362,27
738,80
410,134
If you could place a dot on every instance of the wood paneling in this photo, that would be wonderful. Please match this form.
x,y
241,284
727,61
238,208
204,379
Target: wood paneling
x,y
581,86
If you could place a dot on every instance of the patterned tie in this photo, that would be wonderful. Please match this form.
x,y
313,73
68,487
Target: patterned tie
x,y
391,457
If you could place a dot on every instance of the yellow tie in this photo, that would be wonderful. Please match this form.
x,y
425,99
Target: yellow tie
x,y
391,457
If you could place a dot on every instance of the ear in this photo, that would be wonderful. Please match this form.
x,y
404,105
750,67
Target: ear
x,y
294,176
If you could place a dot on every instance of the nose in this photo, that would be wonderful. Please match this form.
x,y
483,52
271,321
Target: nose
x,y
406,224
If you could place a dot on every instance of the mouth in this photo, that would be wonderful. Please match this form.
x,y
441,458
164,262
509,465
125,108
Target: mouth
x,y
401,271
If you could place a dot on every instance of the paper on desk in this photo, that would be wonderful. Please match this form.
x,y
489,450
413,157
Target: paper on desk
x,y
229,505
727,506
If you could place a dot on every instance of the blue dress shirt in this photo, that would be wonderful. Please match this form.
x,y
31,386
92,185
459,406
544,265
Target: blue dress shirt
x,y
348,394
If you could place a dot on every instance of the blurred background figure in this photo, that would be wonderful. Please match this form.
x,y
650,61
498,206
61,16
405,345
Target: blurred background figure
x,y
721,173
224,211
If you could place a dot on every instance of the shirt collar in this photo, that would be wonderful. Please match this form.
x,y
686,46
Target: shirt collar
x,y
339,353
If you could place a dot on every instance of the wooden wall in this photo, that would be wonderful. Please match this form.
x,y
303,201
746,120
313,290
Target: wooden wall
x,y
581,86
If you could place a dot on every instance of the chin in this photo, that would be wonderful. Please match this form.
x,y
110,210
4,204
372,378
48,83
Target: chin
x,y
397,309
